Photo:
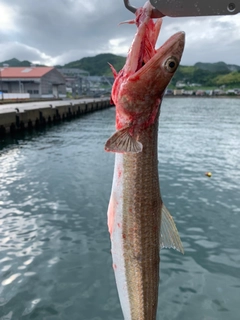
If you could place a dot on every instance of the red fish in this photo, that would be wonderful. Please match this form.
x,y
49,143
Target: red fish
x,y
139,223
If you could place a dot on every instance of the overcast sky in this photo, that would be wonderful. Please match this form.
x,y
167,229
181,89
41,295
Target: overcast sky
x,y
59,31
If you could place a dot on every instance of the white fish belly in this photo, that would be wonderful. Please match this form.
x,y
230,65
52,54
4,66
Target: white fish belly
x,y
115,217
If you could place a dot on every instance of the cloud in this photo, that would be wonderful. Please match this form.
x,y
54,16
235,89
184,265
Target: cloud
x,y
208,39
7,18
60,31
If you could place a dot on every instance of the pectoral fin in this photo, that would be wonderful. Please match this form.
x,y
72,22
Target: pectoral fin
x,y
122,142
169,235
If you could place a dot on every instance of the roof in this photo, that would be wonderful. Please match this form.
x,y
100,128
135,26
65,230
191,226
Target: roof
x,y
24,72
72,71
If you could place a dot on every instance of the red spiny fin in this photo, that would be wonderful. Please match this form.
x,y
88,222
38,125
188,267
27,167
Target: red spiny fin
x,y
128,21
113,70
122,142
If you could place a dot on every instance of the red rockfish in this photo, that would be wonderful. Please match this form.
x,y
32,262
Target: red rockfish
x,y
138,222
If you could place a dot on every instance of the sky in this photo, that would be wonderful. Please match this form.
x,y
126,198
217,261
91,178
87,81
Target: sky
x,y
60,31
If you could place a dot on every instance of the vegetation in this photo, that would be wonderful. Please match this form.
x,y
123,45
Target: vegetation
x,y
209,75
17,63
217,67
232,78
98,65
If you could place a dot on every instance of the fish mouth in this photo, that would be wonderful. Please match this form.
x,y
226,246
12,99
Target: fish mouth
x,y
143,52
147,71
172,48
147,80
167,57
143,45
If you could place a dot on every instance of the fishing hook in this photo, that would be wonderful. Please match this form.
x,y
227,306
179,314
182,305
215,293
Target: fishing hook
x,y
155,13
129,7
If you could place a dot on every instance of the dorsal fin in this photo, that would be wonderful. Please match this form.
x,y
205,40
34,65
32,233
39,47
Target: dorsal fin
x,y
133,21
113,70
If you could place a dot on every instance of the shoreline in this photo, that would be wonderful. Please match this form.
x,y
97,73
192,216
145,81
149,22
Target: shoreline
x,y
19,117
205,97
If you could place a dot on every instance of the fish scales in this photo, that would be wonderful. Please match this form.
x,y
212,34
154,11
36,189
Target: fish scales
x,y
141,225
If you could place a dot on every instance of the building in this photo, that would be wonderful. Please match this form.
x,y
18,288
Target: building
x,y
38,82
178,92
80,82
76,80
73,72
180,84
168,92
188,92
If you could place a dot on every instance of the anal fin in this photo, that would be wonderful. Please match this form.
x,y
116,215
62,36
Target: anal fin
x,y
122,142
169,237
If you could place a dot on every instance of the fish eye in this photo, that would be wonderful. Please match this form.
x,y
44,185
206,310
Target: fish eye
x,y
171,64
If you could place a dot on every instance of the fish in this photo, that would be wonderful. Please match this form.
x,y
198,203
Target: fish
x,y
138,222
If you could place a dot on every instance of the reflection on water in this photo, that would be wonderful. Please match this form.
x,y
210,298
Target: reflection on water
x,y
55,257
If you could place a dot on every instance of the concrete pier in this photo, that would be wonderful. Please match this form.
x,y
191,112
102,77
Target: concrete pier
x,y
26,116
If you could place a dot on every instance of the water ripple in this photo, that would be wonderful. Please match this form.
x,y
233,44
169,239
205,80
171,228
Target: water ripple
x,y
55,257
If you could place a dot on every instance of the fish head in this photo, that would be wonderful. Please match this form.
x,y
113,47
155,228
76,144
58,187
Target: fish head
x,y
138,88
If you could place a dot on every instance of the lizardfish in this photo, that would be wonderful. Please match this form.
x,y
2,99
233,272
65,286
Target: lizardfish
x,y
138,222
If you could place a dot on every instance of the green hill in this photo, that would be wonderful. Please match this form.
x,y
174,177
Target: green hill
x,y
206,74
98,65
193,74
209,74
219,67
231,79
17,63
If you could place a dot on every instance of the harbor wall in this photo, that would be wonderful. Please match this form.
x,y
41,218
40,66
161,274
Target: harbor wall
x,y
36,117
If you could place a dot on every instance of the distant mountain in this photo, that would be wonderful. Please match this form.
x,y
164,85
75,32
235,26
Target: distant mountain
x,y
16,63
206,74
220,67
98,65
209,74
232,79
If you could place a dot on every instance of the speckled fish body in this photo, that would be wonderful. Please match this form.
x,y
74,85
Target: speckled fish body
x,y
139,223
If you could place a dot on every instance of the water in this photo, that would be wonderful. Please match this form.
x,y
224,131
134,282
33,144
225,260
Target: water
x,y
55,257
